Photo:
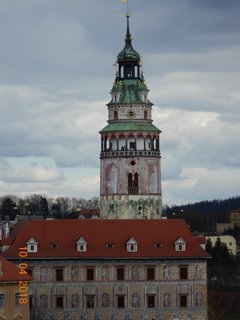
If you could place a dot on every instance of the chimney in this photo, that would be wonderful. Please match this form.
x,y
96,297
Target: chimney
x,y
7,230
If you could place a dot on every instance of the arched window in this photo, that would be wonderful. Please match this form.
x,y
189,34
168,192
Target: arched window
x,y
133,183
130,183
136,72
145,115
154,143
121,72
135,191
128,71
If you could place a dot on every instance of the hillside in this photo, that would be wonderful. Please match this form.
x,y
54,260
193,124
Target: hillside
x,y
203,216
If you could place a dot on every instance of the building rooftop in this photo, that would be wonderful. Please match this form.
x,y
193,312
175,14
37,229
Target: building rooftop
x,y
58,239
10,273
122,126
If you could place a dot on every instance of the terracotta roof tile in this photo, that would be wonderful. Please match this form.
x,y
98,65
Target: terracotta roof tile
x,y
98,233
10,273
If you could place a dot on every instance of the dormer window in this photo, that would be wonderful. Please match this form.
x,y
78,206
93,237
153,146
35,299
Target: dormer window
x,y
110,245
81,245
180,244
158,245
132,245
54,245
32,246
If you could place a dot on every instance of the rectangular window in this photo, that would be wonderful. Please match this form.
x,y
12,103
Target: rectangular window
x,y
59,274
90,302
2,300
59,302
120,273
183,300
150,301
120,302
30,302
90,274
17,297
183,272
150,273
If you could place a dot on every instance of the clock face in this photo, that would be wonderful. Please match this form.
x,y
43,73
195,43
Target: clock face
x,y
131,114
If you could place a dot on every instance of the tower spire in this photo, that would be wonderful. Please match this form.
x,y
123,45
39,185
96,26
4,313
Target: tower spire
x,y
128,38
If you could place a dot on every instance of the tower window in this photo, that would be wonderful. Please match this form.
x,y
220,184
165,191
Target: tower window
x,y
145,114
128,71
130,183
132,145
136,72
133,183
115,115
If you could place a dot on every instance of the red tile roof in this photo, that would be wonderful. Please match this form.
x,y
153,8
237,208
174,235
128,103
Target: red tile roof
x,y
98,233
201,240
10,273
89,212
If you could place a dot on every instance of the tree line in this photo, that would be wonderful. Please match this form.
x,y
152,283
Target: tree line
x,y
202,216
60,207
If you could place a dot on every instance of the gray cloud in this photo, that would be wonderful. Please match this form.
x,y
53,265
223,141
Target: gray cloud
x,y
56,73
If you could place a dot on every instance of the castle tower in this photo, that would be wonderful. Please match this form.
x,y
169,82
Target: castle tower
x,y
130,186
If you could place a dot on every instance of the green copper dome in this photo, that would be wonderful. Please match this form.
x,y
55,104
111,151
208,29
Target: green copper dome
x,y
128,53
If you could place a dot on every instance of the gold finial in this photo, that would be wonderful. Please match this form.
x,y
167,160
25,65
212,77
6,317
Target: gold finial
x,y
127,14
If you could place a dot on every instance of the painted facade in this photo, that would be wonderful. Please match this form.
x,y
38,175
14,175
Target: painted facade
x,y
10,306
130,184
149,290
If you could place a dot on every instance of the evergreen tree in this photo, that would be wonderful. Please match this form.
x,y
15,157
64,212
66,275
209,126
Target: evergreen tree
x,y
209,246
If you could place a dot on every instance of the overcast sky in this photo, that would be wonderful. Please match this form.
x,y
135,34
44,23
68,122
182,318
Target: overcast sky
x,y
56,71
